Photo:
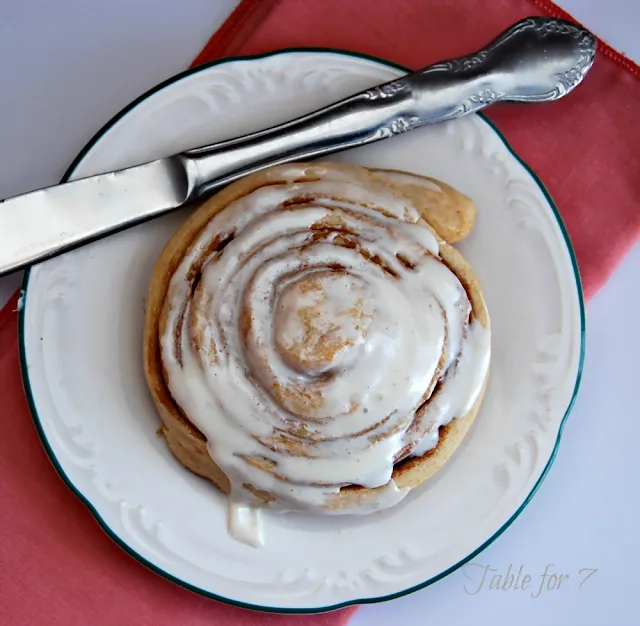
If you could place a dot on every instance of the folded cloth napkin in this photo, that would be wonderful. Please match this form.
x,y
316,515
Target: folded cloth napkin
x,y
57,566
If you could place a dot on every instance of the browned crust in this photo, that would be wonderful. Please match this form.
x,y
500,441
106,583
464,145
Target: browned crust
x,y
451,213
185,441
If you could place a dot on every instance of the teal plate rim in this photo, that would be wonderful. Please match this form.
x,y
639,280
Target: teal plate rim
x,y
359,601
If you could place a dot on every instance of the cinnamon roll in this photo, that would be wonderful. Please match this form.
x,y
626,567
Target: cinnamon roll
x,y
312,342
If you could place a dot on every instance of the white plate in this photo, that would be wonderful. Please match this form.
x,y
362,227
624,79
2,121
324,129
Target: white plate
x,y
81,356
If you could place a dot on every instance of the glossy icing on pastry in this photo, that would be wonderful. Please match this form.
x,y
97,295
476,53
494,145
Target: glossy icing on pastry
x,y
317,332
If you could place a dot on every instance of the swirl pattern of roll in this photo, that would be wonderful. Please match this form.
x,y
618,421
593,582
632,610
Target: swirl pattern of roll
x,y
312,342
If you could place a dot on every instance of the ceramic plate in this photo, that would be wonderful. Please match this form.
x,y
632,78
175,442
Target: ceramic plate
x,y
81,330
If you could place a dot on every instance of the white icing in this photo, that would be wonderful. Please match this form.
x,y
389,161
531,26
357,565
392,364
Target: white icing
x,y
386,335
453,398
385,498
244,523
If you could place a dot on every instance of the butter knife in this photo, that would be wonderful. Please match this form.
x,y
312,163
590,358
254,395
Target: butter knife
x,y
536,60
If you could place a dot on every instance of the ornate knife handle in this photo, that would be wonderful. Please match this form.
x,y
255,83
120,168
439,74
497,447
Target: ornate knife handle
x,y
536,60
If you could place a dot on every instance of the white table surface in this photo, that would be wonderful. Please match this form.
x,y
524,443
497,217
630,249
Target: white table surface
x,y
67,67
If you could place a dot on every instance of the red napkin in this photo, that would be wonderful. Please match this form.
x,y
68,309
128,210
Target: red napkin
x,y
56,565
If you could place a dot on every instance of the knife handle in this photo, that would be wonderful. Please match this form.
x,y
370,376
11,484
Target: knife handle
x,y
536,60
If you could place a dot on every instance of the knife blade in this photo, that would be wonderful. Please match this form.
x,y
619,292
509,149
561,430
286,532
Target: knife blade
x,y
536,60
36,225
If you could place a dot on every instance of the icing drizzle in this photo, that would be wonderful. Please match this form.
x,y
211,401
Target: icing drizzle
x,y
316,338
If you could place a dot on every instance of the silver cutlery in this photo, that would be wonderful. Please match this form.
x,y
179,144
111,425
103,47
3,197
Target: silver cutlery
x,y
536,60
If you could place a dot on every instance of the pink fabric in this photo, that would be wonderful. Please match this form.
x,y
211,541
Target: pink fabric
x,y
56,565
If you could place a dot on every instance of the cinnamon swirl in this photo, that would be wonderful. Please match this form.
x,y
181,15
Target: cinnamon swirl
x,y
312,342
